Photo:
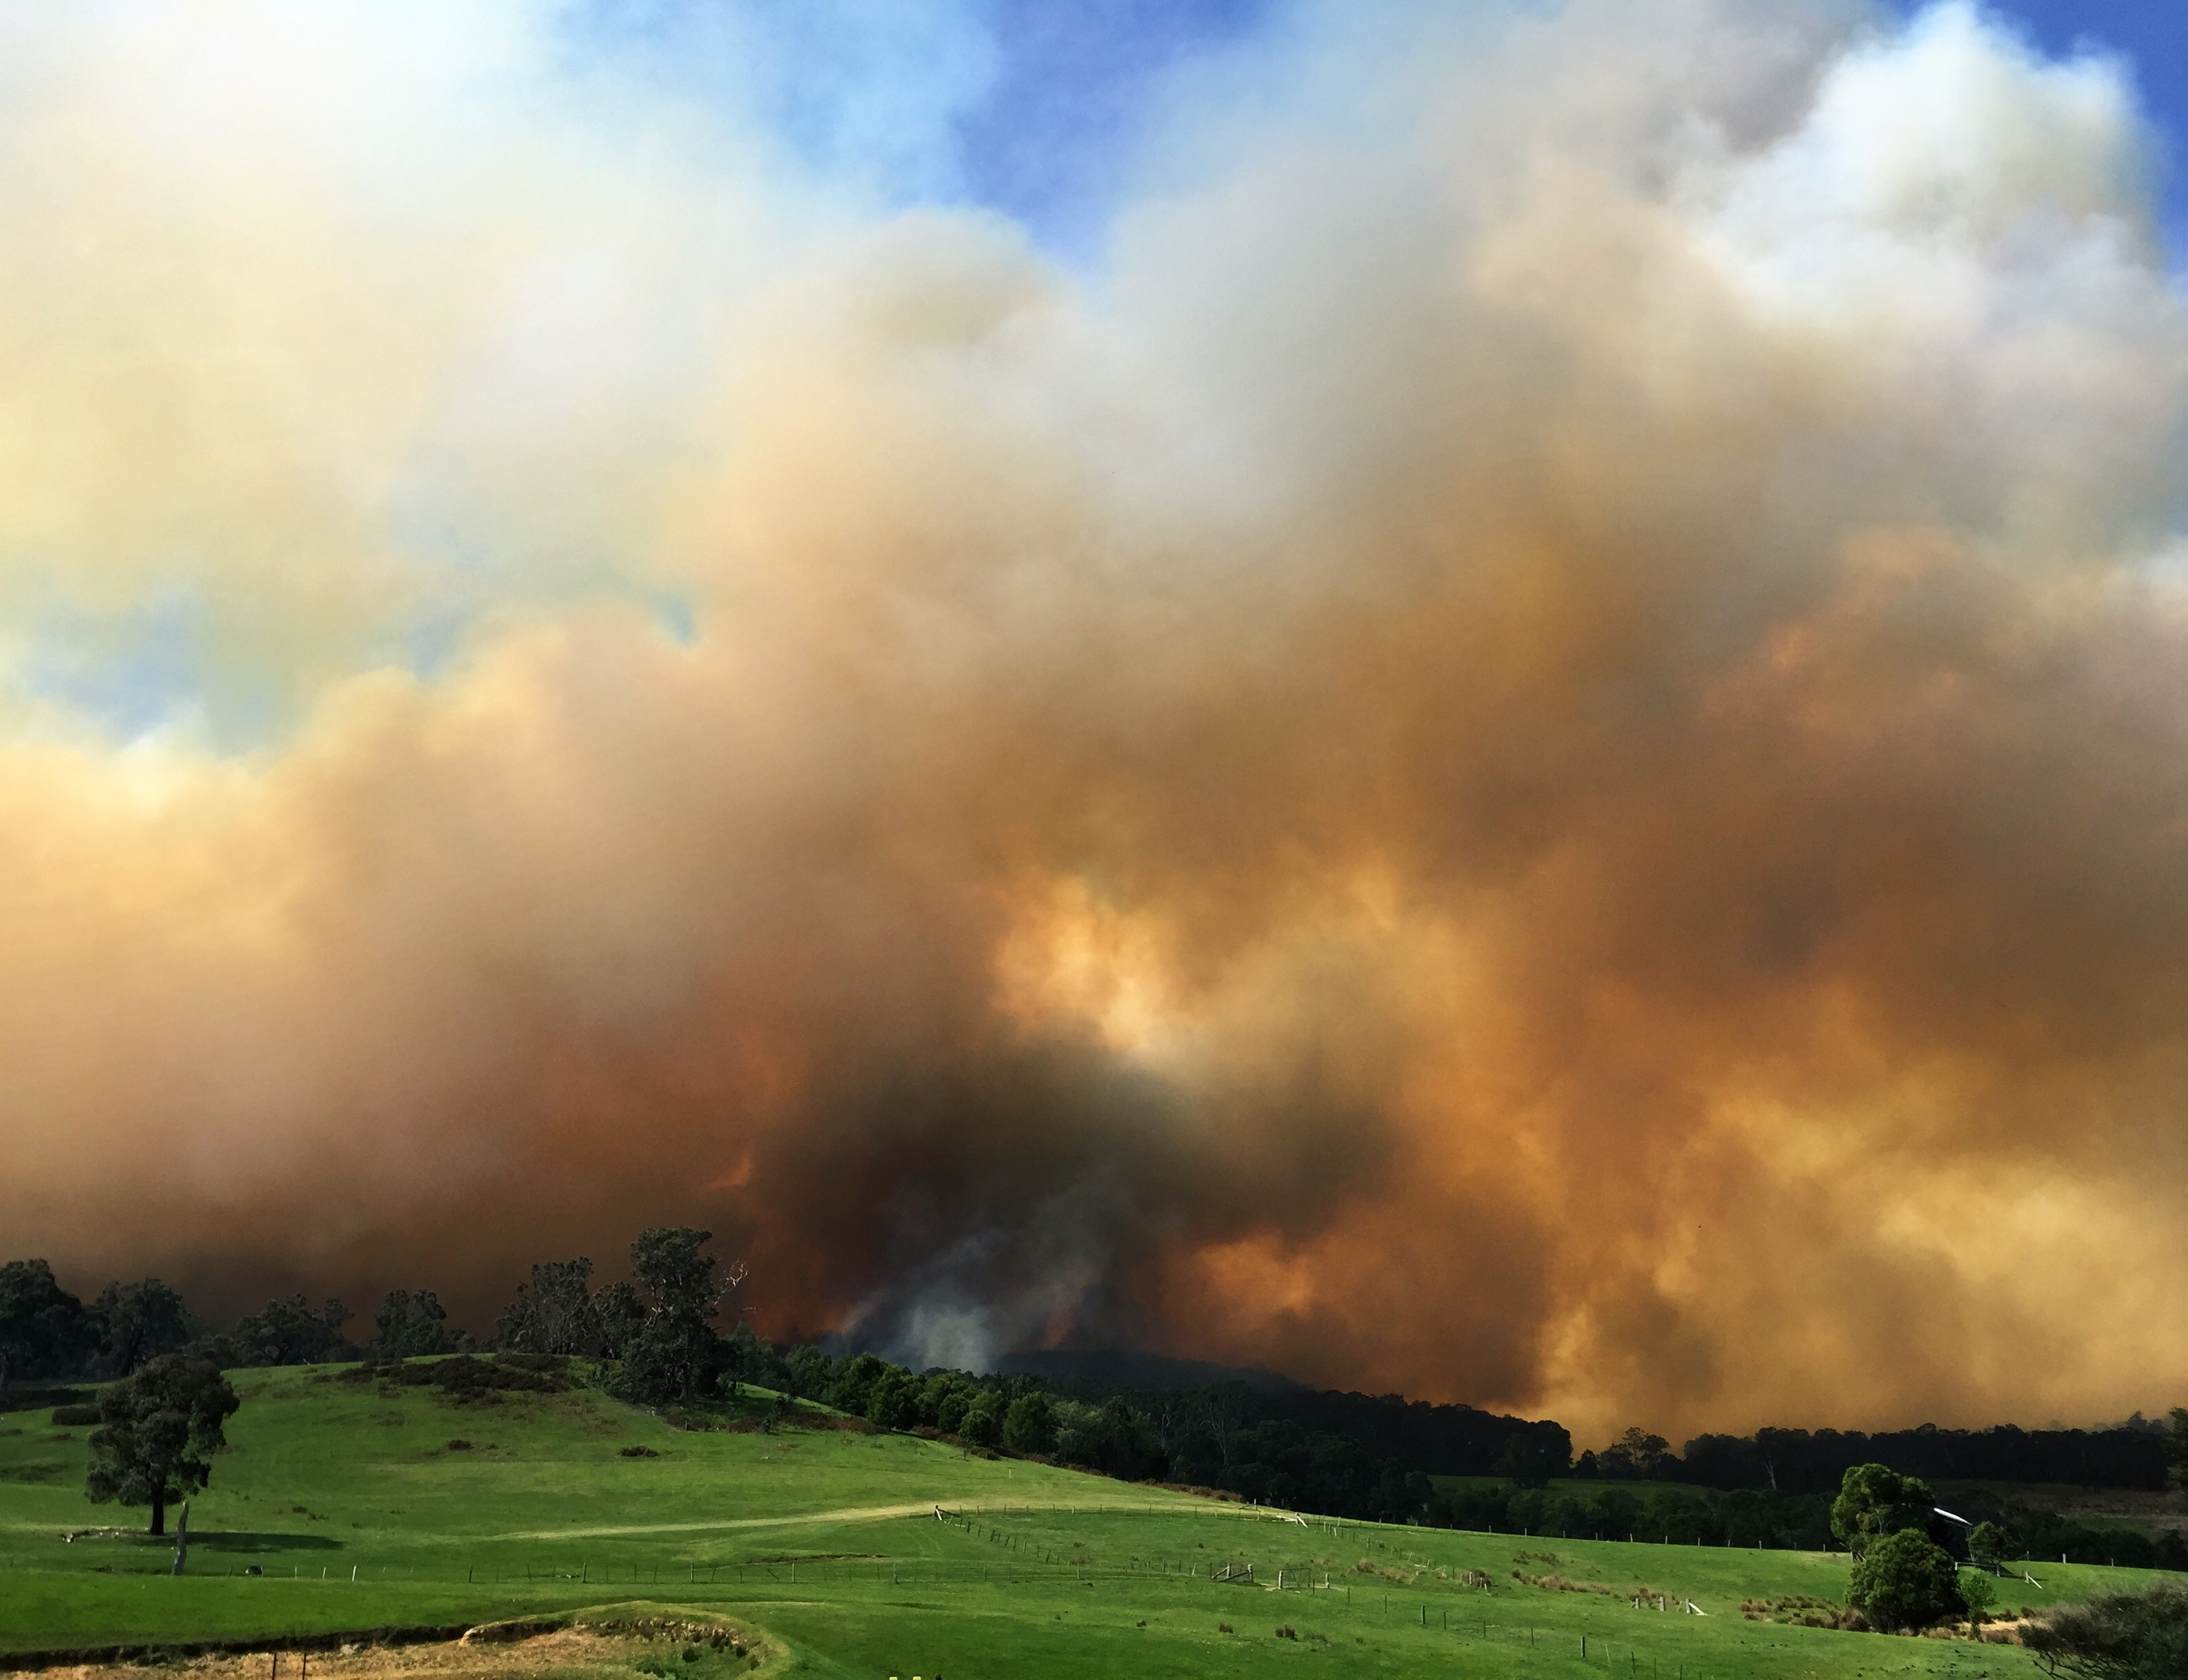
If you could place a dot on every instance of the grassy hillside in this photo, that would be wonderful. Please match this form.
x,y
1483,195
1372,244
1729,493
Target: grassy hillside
x,y
360,1512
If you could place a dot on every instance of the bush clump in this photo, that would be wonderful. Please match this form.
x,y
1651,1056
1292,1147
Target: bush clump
x,y
468,1379
540,1364
1803,1610
2115,1636
1906,1580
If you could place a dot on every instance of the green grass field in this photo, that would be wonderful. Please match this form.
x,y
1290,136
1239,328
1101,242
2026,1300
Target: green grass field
x,y
359,1514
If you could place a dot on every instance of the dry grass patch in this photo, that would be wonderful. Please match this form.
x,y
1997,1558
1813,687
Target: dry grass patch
x,y
661,1646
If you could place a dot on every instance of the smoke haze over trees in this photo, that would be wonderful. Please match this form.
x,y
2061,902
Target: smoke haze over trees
x,y
1540,704
1256,1438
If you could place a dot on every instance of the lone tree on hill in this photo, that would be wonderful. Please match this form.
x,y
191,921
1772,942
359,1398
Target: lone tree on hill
x,y
1906,1580
157,1429
1875,1499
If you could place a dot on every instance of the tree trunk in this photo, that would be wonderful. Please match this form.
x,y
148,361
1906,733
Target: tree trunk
x,y
159,1513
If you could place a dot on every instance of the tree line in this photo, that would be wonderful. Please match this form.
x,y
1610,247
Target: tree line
x,y
1341,1455
654,1339
48,1335
2130,1455
1760,1517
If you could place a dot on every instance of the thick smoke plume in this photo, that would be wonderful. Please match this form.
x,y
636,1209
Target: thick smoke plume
x,y
1534,750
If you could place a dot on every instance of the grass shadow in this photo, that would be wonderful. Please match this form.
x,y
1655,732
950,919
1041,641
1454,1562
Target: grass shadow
x,y
40,1400
244,1541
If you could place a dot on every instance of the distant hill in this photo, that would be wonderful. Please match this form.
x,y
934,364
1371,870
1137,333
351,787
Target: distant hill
x,y
1122,1369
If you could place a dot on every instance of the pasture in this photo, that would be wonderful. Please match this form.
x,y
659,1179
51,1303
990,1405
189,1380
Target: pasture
x,y
361,1510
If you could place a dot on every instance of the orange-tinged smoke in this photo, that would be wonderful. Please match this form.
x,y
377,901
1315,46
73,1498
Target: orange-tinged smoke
x,y
1532,754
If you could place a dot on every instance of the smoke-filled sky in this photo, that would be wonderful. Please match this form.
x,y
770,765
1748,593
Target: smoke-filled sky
x,y
1489,700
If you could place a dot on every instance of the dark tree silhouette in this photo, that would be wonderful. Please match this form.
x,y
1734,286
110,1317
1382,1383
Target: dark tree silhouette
x,y
291,1332
554,1312
138,1321
675,1344
413,1324
44,1330
1635,1456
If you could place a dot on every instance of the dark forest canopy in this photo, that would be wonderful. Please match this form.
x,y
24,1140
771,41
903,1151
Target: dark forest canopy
x,y
2131,1455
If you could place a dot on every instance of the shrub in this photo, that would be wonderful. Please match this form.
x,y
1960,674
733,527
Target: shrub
x,y
1795,1610
467,1379
1906,1580
639,1452
2138,1636
540,1364
76,1417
